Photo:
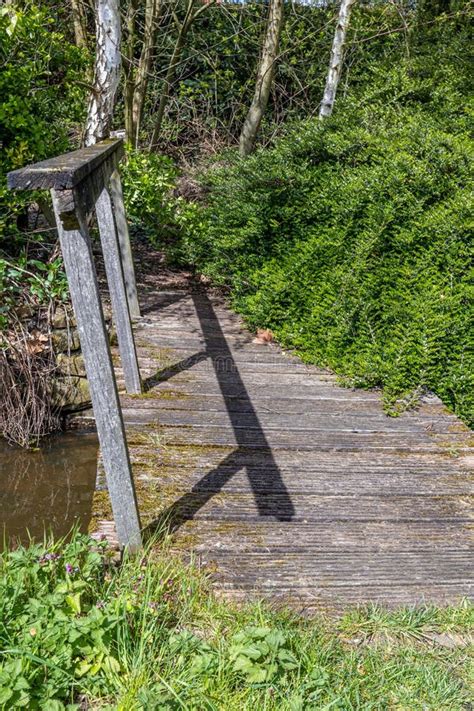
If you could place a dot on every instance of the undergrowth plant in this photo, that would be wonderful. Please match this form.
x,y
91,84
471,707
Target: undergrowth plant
x,y
78,631
352,240
41,105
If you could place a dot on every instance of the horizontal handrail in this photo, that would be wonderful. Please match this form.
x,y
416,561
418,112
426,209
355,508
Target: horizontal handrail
x,y
66,171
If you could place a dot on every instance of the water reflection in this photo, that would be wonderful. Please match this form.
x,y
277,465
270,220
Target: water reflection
x,y
50,489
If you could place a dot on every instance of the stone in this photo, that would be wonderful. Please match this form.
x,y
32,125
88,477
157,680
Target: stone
x,y
65,340
107,309
25,311
71,364
63,317
112,333
71,393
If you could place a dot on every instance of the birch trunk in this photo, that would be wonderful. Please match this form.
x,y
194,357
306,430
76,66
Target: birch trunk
x,y
335,62
264,80
106,71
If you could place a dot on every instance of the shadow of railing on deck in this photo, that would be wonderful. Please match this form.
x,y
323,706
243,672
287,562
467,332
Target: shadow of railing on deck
x,y
269,490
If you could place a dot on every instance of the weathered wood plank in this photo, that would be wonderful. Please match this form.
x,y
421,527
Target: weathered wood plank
x,y
238,538
159,400
66,171
308,421
82,279
224,505
315,440
124,243
271,390
322,569
309,481
118,294
311,600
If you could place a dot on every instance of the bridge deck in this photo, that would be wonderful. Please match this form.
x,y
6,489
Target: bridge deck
x,y
293,487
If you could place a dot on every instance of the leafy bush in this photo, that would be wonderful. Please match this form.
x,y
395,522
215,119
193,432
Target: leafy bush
x,y
41,101
78,631
153,209
351,241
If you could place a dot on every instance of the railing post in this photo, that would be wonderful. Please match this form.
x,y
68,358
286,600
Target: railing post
x,y
124,243
76,248
118,295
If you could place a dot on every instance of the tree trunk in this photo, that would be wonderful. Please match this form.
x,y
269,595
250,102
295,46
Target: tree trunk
x,y
335,62
160,112
106,71
152,12
192,13
128,44
79,19
178,48
264,81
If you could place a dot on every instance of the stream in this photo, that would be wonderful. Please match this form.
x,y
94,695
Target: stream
x,y
48,489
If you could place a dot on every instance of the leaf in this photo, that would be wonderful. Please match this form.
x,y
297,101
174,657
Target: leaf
x,y
39,265
21,683
5,695
83,667
52,705
275,639
250,650
74,602
257,675
287,659
111,664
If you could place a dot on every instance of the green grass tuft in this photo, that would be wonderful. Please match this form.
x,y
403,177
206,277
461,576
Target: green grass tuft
x,y
150,634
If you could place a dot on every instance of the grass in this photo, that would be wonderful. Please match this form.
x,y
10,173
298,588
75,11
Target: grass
x,y
78,631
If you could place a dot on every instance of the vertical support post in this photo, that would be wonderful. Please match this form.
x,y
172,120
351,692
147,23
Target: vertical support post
x,y
80,270
118,295
124,244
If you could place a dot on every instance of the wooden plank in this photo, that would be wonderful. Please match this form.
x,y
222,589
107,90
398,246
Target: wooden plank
x,y
283,504
339,568
311,600
321,392
393,536
124,244
309,481
327,464
158,399
308,441
310,421
82,279
66,171
252,366
118,294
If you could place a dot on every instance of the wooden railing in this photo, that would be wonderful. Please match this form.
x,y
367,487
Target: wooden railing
x,y
82,182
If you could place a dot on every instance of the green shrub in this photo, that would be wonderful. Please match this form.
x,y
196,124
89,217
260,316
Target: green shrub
x,y
41,102
153,209
352,240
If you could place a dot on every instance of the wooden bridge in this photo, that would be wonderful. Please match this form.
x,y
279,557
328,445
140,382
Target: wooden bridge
x,y
289,485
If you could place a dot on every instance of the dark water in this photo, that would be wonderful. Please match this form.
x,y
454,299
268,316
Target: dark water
x,y
50,489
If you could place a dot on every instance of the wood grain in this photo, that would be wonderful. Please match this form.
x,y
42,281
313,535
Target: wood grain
x,y
80,270
117,290
65,171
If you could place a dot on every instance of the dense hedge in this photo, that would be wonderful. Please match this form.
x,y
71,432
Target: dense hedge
x,y
351,241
